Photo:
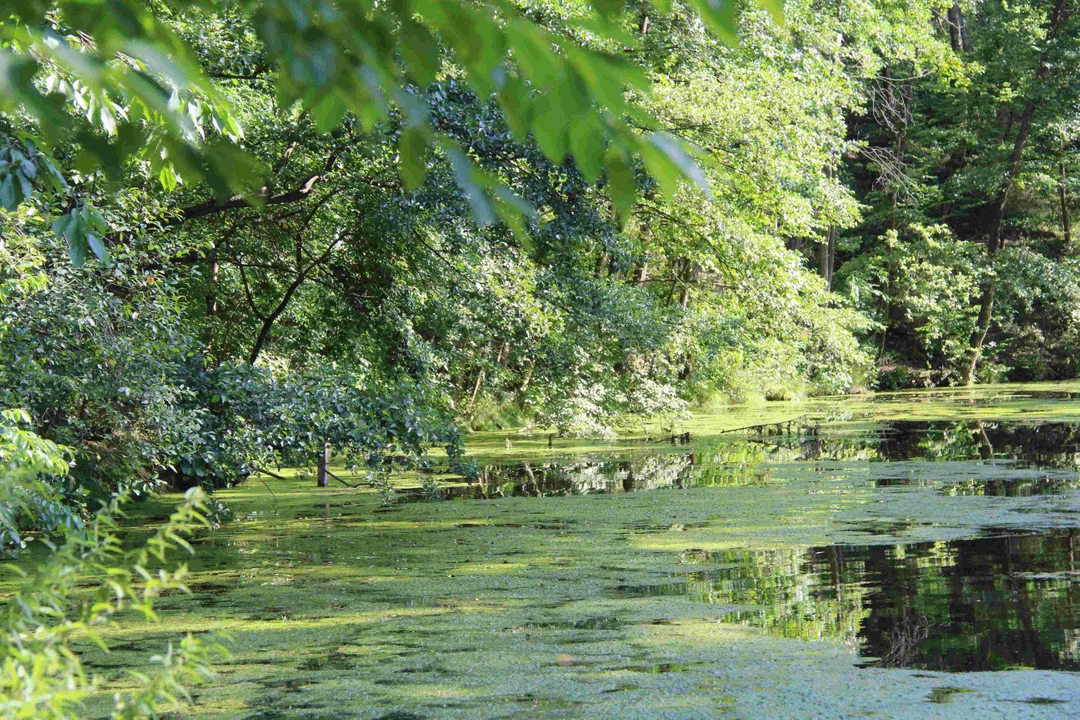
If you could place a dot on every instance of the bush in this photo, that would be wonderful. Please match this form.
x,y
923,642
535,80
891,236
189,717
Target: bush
x,y
41,676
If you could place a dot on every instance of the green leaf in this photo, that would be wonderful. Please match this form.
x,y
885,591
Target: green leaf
x,y
232,170
721,17
514,101
531,48
470,182
24,184
108,120
9,193
549,128
587,145
673,164
776,10
167,178
420,50
98,246
328,113
60,224
513,210
621,181
609,8
413,150
77,246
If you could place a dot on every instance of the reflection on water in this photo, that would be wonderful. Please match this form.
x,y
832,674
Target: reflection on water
x,y
979,604
1008,601
677,470
984,396
1052,445
731,460
996,602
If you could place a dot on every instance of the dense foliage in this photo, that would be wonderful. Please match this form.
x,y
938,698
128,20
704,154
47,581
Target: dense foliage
x,y
965,258
273,257
505,224
41,676
366,225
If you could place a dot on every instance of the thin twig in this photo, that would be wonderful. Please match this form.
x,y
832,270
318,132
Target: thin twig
x,y
268,489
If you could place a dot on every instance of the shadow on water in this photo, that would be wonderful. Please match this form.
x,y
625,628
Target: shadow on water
x,y
992,603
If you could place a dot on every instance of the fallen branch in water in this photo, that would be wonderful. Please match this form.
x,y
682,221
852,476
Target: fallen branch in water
x,y
760,426
350,485
681,438
279,477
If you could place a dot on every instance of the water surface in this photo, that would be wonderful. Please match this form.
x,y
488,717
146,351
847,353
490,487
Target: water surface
x,y
1006,598
1004,601
900,555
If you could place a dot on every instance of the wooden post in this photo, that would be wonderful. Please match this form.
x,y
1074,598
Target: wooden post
x,y
324,463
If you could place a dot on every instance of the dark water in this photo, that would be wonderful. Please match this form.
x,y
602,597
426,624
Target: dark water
x,y
992,603
1006,600
1050,445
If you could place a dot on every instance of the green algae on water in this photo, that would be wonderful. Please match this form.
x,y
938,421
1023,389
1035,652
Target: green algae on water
x,y
741,574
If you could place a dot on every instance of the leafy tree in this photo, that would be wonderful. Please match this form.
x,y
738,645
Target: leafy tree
x,y
986,152
146,95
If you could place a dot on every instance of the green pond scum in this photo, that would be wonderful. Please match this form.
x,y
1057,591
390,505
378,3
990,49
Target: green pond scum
x,y
908,554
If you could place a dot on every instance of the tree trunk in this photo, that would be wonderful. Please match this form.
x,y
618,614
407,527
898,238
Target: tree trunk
x,y
982,326
638,274
211,295
323,478
827,249
480,381
525,379
677,270
602,264
832,254
476,389
1063,197
268,321
826,252
689,276
958,32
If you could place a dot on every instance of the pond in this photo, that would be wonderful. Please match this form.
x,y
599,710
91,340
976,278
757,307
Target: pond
x,y
898,555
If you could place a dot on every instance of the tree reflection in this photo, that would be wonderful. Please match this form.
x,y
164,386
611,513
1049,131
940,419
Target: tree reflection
x,y
983,604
